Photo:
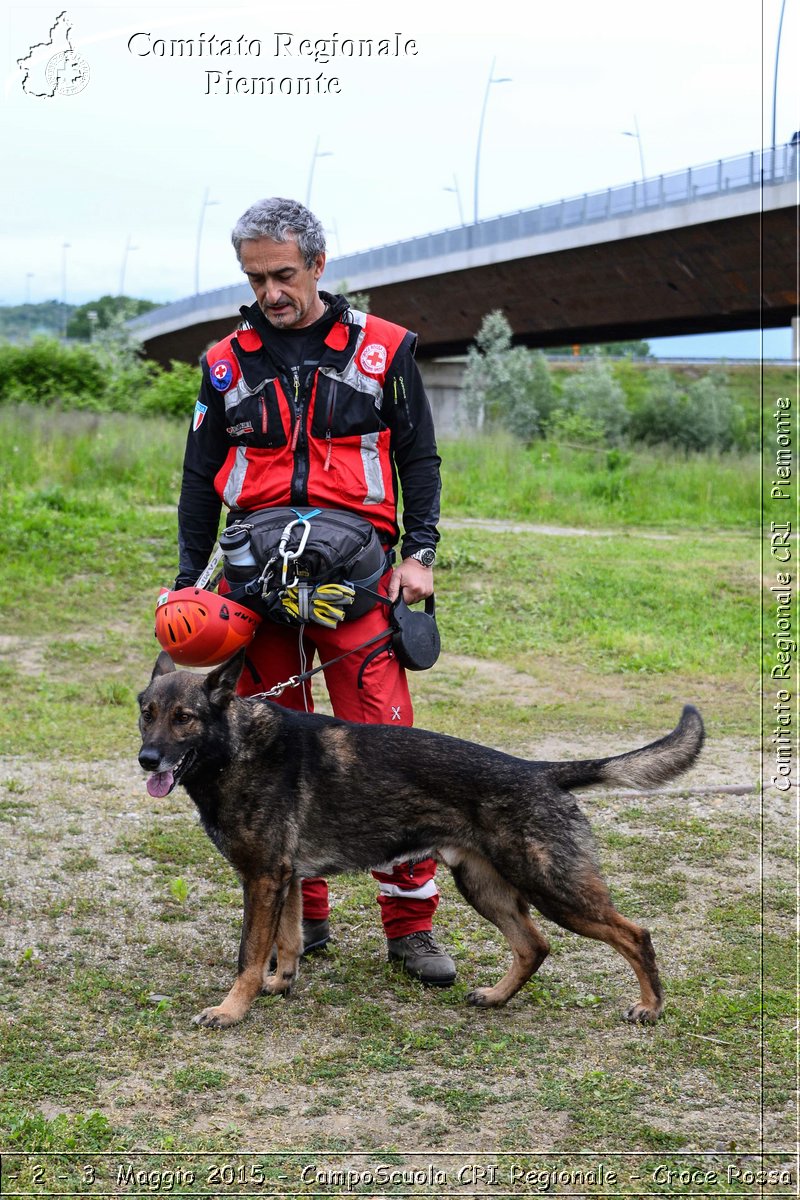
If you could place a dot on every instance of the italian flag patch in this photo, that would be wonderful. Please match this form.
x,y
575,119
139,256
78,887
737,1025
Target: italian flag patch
x,y
200,411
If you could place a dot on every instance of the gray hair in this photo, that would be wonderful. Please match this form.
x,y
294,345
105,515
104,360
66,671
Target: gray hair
x,y
282,221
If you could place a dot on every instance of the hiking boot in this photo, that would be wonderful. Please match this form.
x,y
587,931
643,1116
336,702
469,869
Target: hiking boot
x,y
316,935
422,959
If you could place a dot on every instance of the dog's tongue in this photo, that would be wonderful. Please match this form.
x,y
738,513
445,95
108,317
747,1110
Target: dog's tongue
x,y
161,783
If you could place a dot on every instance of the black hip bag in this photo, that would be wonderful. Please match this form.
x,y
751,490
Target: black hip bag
x,y
273,552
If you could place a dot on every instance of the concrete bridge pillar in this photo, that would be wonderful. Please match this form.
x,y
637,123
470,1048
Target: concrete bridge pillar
x,y
443,381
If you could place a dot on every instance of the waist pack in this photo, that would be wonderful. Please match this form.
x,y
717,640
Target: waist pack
x,y
279,560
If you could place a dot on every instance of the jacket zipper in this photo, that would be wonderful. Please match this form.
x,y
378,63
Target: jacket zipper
x,y
300,438
329,424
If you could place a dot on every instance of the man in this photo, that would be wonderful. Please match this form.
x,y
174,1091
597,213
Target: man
x,y
312,403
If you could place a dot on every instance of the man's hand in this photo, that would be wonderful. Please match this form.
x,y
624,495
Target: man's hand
x,y
415,580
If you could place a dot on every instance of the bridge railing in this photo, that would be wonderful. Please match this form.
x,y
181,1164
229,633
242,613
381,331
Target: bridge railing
x,y
678,187
229,298
726,175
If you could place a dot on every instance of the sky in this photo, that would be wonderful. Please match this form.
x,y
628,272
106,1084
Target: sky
x,y
112,178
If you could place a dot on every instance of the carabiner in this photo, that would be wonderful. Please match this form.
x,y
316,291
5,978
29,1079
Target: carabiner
x,y
289,555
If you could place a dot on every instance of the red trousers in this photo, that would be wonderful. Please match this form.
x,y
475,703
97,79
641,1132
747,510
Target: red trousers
x,y
373,691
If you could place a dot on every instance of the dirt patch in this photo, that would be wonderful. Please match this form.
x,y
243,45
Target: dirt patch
x,y
31,656
26,655
361,1057
505,526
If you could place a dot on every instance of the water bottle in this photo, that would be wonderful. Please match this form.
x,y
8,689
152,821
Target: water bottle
x,y
240,563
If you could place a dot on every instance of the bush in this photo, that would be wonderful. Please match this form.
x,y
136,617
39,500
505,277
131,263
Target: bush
x,y
173,393
713,421
107,375
592,403
127,374
531,405
47,372
700,416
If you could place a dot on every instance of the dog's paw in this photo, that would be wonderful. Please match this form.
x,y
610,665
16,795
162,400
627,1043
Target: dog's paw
x,y
215,1018
481,998
639,1014
279,985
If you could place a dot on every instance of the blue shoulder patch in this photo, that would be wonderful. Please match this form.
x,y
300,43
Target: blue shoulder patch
x,y
221,375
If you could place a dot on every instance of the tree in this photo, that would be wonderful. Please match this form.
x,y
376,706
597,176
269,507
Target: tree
x,y
506,386
110,310
20,322
356,300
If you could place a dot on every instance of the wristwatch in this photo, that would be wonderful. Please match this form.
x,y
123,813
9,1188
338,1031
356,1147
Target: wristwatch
x,y
427,556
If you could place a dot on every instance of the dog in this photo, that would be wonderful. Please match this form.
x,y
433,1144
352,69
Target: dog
x,y
286,795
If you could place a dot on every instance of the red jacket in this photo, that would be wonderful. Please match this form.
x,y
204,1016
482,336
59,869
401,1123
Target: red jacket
x,y
338,435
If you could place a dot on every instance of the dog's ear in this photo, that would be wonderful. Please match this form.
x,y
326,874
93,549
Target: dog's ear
x,y
164,665
221,683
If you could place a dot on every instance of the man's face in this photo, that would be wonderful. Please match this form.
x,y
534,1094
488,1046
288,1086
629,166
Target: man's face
x,y
285,288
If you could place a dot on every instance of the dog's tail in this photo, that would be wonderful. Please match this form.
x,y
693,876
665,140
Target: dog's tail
x,y
645,768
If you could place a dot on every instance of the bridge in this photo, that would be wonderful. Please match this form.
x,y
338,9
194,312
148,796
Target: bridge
x,y
707,249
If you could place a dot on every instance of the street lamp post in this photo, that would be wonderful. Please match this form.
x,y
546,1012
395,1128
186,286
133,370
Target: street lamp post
x,y
30,318
335,231
206,204
489,82
64,248
775,81
638,136
455,188
317,154
125,253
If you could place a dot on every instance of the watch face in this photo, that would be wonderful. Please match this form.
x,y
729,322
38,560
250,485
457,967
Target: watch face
x,y
426,557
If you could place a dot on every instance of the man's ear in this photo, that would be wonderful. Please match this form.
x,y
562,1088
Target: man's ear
x,y
164,665
221,683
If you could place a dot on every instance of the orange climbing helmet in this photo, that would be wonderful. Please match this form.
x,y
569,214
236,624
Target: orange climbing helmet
x,y
201,629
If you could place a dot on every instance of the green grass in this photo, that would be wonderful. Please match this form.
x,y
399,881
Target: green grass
x,y
88,535
623,605
557,485
63,457
57,458
114,899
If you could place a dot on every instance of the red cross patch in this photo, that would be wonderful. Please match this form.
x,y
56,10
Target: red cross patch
x,y
373,358
222,375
